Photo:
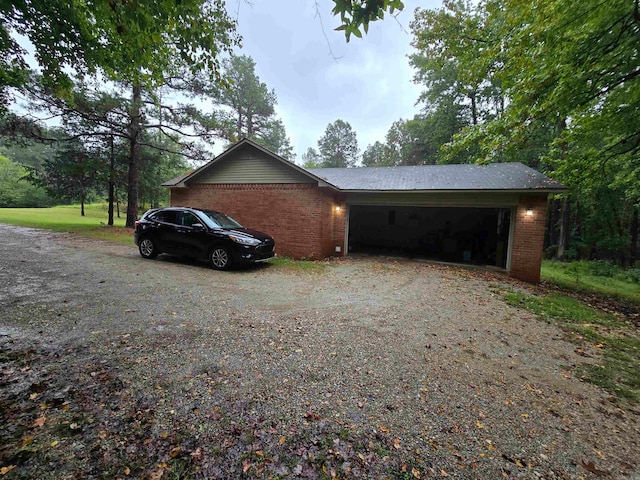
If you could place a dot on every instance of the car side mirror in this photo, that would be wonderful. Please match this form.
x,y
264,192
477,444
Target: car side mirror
x,y
197,226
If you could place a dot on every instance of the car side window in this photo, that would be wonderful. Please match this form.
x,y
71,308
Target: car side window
x,y
188,219
166,216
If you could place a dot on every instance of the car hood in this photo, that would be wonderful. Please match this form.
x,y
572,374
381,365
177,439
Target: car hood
x,y
250,232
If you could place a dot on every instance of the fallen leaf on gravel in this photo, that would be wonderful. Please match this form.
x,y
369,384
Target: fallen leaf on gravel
x,y
127,471
479,425
599,453
591,467
33,396
54,443
197,454
40,421
246,465
157,474
5,470
443,473
396,443
415,472
282,440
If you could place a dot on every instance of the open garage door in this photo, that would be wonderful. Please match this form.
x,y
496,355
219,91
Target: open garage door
x,y
478,236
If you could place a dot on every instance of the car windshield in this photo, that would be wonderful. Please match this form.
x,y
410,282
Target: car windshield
x,y
219,220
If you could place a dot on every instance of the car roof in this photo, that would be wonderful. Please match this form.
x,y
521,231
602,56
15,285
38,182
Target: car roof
x,y
152,210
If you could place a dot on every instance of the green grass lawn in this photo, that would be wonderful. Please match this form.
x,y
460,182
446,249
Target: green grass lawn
x,y
597,277
612,340
67,218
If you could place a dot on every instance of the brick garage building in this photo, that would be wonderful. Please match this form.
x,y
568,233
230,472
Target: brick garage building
x,y
486,215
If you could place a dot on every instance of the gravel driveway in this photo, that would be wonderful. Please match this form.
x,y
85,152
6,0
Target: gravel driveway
x,y
114,367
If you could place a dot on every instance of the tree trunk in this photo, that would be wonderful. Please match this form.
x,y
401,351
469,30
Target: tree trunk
x,y
552,219
474,109
82,204
239,126
135,130
633,248
111,181
563,241
249,126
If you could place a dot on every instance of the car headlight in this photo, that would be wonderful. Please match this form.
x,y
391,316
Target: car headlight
x,y
245,240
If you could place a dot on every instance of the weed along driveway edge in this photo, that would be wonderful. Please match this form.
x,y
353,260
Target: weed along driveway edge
x,y
117,367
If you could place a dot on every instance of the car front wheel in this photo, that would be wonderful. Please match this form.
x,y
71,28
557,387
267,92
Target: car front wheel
x,y
220,258
148,248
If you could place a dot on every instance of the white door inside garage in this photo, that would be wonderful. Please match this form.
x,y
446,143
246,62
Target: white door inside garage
x,y
475,235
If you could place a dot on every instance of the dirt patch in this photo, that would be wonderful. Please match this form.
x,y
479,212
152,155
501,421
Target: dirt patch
x,y
113,366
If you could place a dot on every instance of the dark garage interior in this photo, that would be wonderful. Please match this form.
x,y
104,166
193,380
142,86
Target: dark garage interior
x,y
451,234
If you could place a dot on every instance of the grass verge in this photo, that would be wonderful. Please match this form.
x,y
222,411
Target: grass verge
x,y
584,277
299,265
67,218
615,341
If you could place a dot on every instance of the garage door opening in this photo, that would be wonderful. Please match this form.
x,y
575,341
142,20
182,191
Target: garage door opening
x,y
477,236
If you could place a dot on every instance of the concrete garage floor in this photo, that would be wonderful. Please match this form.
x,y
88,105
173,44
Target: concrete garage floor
x,y
114,367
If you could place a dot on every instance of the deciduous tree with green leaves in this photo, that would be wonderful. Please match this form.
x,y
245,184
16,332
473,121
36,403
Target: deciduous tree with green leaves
x,y
376,155
338,146
311,158
16,190
568,72
356,14
141,44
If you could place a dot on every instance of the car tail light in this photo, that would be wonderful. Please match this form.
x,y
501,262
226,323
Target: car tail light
x,y
136,223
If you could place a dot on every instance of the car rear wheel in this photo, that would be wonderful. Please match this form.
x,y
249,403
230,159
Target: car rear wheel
x,y
148,248
220,258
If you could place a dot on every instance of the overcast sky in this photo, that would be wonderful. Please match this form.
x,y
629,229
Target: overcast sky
x,y
368,84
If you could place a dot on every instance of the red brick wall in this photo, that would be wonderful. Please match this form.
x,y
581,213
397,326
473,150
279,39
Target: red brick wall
x,y
528,238
301,218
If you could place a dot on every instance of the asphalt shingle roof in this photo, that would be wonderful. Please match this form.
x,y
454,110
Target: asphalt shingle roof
x,y
495,176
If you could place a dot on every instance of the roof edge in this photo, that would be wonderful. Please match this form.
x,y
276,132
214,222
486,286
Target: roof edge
x,y
459,190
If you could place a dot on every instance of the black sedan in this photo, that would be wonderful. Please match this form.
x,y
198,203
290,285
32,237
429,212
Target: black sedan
x,y
201,234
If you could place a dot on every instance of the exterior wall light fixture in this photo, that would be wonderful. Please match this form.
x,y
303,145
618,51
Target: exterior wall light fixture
x,y
529,212
338,208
